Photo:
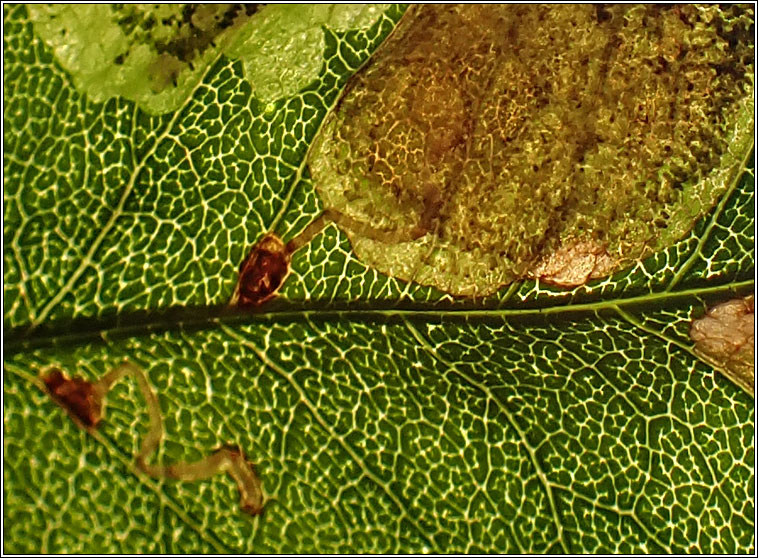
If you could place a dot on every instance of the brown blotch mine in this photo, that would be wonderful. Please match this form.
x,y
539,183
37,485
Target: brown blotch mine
x,y
262,273
725,337
486,144
84,401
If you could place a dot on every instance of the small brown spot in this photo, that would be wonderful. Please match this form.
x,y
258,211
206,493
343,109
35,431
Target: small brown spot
x,y
574,264
262,272
77,396
251,509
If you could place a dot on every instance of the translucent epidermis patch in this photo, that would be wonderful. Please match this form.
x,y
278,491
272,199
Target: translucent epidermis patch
x,y
482,140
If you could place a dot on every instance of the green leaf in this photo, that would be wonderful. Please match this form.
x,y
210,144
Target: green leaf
x,y
382,416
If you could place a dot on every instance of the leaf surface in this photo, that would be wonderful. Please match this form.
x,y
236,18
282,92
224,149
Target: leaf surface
x,y
382,416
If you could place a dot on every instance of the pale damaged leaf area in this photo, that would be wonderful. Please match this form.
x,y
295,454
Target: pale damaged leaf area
x,y
486,144
165,244
151,54
574,263
155,54
725,336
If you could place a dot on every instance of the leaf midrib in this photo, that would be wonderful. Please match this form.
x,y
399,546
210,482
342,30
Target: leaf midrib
x,y
200,318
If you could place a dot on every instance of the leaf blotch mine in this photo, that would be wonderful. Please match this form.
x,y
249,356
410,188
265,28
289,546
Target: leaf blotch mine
x,y
151,54
484,144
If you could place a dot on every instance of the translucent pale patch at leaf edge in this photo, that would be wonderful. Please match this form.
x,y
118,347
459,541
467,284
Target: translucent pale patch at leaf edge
x,y
89,56
725,337
282,49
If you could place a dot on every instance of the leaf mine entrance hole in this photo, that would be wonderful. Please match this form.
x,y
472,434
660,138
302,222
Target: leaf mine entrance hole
x,y
498,142
85,403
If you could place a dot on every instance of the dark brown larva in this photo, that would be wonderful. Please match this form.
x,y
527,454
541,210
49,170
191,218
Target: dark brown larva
x,y
262,272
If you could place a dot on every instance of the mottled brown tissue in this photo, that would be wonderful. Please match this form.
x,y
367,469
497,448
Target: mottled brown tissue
x,y
725,336
550,141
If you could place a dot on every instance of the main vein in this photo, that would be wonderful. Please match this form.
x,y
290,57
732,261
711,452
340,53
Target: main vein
x,y
140,323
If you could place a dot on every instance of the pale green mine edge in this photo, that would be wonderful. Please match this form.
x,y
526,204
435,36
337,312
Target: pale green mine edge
x,y
281,49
